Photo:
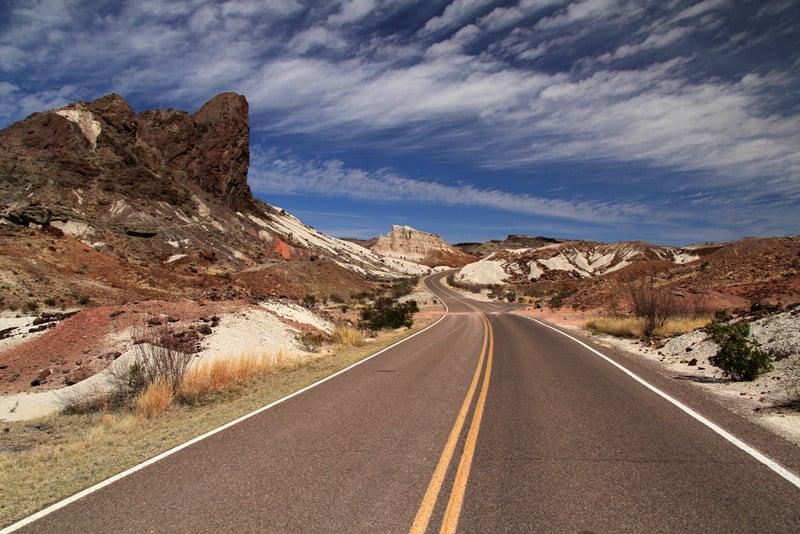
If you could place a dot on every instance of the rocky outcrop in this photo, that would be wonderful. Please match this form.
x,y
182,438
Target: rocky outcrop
x,y
156,155
406,243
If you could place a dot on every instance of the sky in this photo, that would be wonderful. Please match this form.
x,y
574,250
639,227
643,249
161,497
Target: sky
x,y
669,121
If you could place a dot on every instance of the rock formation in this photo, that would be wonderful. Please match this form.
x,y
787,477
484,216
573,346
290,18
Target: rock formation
x,y
406,243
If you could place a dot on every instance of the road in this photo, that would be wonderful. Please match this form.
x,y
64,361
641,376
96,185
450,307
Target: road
x,y
486,422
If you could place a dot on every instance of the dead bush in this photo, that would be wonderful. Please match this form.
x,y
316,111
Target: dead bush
x,y
653,305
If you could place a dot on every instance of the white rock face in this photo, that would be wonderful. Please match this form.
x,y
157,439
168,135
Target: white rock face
x,y
85,120
406,243
487,272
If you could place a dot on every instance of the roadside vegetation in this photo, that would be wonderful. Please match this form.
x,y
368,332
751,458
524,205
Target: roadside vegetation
x,y
738,356
655,312
635,327
102,434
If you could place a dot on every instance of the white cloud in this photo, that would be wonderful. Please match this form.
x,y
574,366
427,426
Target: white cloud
x,y
774,7
270,174
698,9
580,11
352,11
316,37
653,41
455,14
503,17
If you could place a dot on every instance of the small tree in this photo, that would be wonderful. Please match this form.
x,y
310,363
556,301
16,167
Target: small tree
x,y
738,356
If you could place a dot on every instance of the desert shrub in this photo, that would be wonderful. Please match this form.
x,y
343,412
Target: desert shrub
x,y
791,378
404,287
85,400
634,327
310,341
628,327
385,312
653,305
738,356
158,356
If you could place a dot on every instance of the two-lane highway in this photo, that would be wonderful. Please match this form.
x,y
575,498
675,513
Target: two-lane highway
x,y
486,422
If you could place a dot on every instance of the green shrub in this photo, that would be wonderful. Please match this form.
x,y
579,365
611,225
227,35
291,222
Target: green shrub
x,y
738,356
385,312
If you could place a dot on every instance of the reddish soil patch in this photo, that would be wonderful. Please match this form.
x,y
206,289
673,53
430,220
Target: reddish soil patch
x,y
90,340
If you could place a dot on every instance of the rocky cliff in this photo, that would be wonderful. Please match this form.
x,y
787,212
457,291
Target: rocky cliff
x,y
101,203
406,243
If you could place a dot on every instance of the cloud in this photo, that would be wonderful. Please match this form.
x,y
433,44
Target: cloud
x,y
352,11
455,14
653,41
581,11
698,9
272,174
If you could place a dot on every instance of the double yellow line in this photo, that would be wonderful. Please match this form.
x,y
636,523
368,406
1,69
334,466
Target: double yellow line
x,y
453,511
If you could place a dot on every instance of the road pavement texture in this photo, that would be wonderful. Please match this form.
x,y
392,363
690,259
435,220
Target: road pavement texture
x,y
485,422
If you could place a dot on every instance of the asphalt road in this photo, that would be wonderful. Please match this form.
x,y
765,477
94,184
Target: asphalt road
x,y
486,422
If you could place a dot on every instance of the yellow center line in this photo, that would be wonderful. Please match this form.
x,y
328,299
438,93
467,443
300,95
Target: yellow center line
x,y
423,516
451,515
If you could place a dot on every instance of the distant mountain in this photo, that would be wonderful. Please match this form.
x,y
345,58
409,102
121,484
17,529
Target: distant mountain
x,y
570,260
511,242
102,203
593,275
406,243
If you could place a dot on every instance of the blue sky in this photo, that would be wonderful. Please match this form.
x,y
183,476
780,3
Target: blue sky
x,y
674,121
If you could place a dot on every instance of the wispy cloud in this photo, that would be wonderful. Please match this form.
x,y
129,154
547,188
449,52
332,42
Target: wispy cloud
x,y
272,174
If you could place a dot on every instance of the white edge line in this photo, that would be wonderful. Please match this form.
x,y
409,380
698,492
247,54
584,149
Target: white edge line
x,y
770,463
107,482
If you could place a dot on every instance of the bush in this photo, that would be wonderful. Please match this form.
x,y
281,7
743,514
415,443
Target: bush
x,y
385,312
158,356
404,287
653,305
738,356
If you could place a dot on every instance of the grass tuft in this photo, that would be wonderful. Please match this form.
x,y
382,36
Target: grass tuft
x,y
347,336
155,399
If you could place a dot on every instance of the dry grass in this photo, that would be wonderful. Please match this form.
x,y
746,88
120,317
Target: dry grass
x,y
155,399
634,327
347,336
67,453
206,379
